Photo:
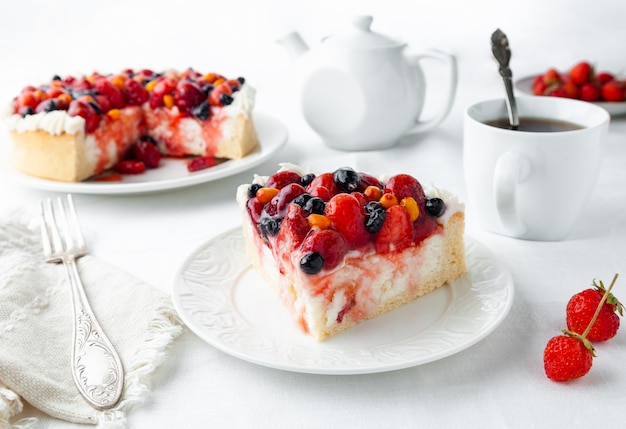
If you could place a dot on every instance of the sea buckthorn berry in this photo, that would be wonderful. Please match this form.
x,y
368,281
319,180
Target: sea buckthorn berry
x,y
373,193
252,190
114,114
435,206
150,85
388,200
411,206
321,221
118,81
265,195
64,100
210,77
168,100
312,263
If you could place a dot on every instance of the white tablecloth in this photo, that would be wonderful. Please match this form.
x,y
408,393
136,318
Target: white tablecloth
x,y
496,383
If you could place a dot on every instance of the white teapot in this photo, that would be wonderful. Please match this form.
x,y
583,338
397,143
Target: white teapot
x,y
359,91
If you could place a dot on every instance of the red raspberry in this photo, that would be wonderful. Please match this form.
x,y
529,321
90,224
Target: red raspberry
x,y
396,232
347,217
328,243
147,153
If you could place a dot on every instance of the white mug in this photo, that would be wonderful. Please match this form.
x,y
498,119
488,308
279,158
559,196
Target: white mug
x,y
532,185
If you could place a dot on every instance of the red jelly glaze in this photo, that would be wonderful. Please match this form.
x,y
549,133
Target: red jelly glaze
x,y
358,238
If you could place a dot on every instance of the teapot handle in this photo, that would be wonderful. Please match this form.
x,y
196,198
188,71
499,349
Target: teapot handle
x,y
449,61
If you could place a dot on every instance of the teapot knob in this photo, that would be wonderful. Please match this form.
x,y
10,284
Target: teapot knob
x,y
362,22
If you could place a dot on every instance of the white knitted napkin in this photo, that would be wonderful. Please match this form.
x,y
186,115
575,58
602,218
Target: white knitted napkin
x,y
36,329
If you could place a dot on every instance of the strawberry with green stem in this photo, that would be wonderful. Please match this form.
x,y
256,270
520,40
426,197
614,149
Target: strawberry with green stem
x,y
570,355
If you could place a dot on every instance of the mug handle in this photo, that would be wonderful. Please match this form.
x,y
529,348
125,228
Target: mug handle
x,y
449,61
510,169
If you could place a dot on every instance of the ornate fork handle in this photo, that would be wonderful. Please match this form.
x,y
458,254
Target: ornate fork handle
x,y
96,367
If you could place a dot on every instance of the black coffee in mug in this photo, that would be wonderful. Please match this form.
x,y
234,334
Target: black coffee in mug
x,y
537,125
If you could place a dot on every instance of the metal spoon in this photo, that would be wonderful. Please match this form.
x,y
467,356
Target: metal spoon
x,y
502,53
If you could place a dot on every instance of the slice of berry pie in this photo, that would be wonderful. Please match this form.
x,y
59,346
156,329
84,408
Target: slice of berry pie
x,y
344,246
75,127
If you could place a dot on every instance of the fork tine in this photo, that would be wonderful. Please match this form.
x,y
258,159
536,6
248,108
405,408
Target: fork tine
x,y
45,237
78,233
53,224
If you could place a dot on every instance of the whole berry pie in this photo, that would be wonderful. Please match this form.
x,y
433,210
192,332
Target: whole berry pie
x,y
344,246
75,127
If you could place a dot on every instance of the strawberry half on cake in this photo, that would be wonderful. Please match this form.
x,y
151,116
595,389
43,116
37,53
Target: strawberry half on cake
x,y
344,246
73,128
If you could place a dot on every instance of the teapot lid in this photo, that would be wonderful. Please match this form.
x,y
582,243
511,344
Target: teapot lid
x,y
360,36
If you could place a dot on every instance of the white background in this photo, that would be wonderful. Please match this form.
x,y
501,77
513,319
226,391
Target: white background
x,y
497,383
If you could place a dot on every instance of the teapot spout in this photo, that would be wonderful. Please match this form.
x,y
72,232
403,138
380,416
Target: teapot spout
x,y
294,44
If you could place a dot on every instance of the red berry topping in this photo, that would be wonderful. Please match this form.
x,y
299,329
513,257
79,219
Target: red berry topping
x,y
147,153
87,112
348,217
396,232
166,86
200,163
188,95
329,243
323,186
130,166
278,204
294,227
281,179
215,98
134,92
112,92
404,185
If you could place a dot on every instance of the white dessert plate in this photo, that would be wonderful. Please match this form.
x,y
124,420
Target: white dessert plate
x,y
525,85
229,305
172,173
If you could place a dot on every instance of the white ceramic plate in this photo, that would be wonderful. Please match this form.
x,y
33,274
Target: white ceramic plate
x,y
229,305
525,85
172,173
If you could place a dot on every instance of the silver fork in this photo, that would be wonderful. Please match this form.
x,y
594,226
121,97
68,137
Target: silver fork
x,y
96,366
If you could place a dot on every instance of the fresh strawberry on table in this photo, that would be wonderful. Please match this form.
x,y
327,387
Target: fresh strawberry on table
x,y
582,306
570,356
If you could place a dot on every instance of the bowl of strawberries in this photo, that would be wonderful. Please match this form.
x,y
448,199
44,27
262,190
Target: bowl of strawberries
x,y
581,82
